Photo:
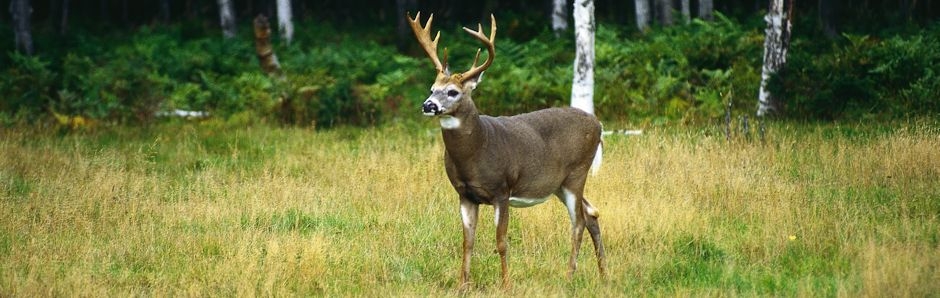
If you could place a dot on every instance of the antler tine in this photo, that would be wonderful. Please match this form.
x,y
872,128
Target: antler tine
x,y
423,34
490,48
476,59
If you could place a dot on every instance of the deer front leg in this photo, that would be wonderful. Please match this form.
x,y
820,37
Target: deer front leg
x,y
502,225
468,215
590,220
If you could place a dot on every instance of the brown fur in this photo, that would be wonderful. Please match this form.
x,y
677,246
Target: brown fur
x,y
491,159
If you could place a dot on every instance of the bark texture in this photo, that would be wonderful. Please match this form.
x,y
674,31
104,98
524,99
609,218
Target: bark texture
x,y
263,48
776,43
559,15
642,14
284,23
582,89
227,18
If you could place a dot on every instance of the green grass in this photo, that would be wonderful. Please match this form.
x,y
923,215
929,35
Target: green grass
x,y
216,209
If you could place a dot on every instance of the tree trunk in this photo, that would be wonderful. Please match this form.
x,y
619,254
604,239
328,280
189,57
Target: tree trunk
x,y
263,48
664,12
776,43
642,14
58,16
165,11
284,23
582,89
227,18
686,11
705,9
64,20
559,16
827,18
402,7
21,10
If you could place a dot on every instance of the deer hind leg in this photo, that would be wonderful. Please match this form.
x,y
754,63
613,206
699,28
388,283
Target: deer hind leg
x,y
590,218
576,213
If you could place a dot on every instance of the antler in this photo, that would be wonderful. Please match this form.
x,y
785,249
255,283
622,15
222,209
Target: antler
x,y
490,48
424,38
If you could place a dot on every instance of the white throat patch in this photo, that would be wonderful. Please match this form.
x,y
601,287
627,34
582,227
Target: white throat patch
x,y
450,122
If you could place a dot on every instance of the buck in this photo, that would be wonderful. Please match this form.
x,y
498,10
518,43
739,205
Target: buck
x,y
517,161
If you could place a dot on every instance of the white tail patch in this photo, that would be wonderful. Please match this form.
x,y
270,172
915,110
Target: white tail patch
x,y
598,158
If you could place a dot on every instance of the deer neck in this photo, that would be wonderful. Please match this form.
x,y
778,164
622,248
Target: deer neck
x,y
462,131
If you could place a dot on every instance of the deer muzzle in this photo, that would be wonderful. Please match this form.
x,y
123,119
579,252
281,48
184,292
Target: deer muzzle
x,y
431,107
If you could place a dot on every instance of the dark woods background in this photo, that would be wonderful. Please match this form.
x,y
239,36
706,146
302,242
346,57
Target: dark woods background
x,y
354,62
855,16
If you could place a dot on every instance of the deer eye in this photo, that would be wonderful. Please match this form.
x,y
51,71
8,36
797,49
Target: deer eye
x,y
452,93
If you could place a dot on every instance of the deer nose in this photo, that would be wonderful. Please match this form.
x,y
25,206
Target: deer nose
x,y
430,108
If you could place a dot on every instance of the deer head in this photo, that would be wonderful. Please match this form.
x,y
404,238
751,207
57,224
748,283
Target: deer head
x,y
450,88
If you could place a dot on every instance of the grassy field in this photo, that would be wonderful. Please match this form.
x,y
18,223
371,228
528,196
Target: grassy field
x,y
195,209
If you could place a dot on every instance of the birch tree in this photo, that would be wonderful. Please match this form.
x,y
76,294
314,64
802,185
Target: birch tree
x,y
582,88
686,11
284,24
227,18
705,8
776,43
21,10
642,14
559,16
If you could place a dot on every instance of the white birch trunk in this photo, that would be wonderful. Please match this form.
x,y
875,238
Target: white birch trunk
x,y
559,16
227,18
284,23
582,88
705,8
776,42
686,11
642,14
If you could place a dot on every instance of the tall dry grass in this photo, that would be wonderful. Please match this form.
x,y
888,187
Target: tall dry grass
x,y
205,209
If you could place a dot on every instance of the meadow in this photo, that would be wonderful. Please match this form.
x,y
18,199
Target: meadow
x,y
214,209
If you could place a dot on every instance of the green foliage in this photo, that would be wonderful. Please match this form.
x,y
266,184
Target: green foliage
x,y
332,76
24,87
682,73
864,76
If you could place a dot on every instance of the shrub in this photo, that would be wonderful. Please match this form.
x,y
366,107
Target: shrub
x,y
863,76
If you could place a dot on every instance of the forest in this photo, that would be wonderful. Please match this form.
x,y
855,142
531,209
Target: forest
x,y
119,61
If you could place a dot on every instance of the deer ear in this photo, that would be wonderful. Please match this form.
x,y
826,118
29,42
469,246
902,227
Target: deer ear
x,y
473,81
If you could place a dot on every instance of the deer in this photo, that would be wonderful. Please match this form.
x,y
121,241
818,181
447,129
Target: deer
x,y
516,161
